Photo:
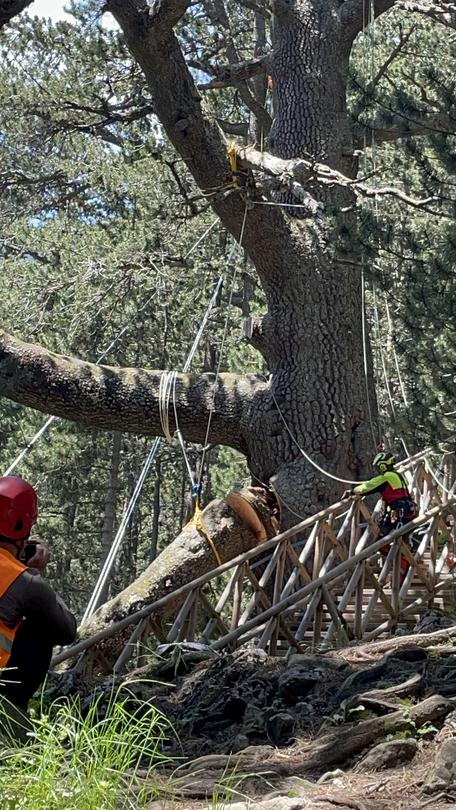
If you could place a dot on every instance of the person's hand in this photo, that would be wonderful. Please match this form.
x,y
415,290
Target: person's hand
x,y
41,557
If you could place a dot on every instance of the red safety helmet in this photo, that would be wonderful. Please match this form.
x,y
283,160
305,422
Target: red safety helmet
x,y
18,507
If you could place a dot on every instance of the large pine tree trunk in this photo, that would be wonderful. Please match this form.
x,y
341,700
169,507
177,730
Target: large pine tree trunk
x,y
312,335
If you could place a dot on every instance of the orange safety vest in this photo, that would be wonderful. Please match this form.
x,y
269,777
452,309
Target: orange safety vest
x,y
10,570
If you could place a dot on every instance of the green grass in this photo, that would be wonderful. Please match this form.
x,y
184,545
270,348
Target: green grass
x,y
100,760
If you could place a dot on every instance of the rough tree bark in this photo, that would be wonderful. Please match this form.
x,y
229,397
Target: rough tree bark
x,y
307,262
190,555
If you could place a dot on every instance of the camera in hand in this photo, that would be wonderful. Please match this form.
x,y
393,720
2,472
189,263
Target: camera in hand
x,y
29,550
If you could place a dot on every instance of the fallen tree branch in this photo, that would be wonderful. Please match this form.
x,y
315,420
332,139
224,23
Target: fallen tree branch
x,y
120,398
403,127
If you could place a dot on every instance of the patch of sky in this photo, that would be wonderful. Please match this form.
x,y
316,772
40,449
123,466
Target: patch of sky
x,y
59,10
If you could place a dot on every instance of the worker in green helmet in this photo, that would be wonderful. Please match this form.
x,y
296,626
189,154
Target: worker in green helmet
x,y
399,505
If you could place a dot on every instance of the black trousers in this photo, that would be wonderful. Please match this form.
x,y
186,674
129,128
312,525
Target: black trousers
x,y
28,665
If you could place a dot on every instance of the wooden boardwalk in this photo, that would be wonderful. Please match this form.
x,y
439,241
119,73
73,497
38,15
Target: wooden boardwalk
x,y
321,583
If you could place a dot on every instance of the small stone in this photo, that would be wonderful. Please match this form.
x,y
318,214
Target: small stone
x,y
296,683
240,742
444,774
388,755
280,728
330,776
303,708
277,803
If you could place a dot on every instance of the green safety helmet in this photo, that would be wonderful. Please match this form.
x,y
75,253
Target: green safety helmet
x,y
383,461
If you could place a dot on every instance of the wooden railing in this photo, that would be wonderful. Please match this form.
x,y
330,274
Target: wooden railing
x,y
321,582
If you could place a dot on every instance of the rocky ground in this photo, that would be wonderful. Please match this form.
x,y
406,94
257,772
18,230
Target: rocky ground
x,y
372,726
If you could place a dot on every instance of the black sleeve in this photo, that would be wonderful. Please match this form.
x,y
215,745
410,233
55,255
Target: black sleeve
x,y
42,607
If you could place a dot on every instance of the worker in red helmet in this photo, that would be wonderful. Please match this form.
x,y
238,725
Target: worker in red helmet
x,y
33,618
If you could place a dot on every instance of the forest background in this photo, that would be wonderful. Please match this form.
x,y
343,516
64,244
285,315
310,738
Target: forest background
x,y
100,248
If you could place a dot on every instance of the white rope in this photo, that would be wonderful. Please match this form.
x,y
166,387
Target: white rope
x,y
168,383
303,452
382,355
201,238
210,306
396,361
164,395
180,438
113,551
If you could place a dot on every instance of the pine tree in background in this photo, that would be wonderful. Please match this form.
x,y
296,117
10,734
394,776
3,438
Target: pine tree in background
x,y
411,271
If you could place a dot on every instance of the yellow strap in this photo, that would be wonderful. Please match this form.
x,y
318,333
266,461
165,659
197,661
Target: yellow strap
x,y
232,154
201,528
233,183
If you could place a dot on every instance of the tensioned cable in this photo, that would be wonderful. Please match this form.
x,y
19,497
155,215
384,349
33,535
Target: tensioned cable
x,y
201,238
382,355
225,330
94,599
396,361
53,419
364,336
165,391
404,397
303,452
168,382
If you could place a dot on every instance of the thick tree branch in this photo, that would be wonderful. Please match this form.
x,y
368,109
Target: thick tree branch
x,y
238,128
443,12
165,14
354,15
353,12
10,9
217,13
402,127
124,398
196,138
403,40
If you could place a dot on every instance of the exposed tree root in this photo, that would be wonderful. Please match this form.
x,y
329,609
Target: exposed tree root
x,y
371,651
200,777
